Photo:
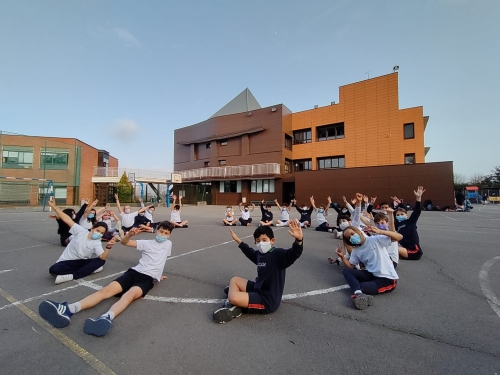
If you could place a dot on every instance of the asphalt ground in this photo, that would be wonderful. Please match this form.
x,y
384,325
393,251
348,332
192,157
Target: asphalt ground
x,y
441,319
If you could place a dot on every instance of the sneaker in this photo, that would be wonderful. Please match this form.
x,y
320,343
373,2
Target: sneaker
x,y
98,270
57,314
185,226
224,314
63,278
97,327
362,301
330,230
226,290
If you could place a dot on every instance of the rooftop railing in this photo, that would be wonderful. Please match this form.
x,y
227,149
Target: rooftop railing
x,y
131,173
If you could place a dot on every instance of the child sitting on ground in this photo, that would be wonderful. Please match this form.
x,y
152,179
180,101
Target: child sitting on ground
x,y
127,217
305,214
84,254
229,219
267,215
113,223
135,283
89,218
321,214
63,228
245,219
409,245
262,296
175,213
284,214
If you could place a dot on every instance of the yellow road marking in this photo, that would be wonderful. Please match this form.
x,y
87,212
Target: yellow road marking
x,y
92,361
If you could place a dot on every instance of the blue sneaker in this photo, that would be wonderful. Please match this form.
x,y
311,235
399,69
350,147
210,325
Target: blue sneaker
x,y
97,327
57,314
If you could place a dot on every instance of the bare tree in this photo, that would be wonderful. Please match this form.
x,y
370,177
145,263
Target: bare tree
x,y
459,179
476,179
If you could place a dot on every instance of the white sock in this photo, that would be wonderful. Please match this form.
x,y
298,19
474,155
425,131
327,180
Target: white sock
x,y
110,314
74,307
357,291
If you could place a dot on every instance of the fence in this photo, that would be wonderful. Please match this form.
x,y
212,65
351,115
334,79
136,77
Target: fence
x,y
268,169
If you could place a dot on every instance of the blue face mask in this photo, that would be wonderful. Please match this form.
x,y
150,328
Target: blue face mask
x,y
160,239
320,211
96,236
355,239
382,226
90,216
400,218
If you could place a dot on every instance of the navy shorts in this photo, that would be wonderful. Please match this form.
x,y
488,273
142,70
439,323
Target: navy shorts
x,y
415,253
255,303
133,278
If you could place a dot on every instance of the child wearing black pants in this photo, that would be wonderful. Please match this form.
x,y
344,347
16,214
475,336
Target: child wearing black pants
x,y
409,246
262,296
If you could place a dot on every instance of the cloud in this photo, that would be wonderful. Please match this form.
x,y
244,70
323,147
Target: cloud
x,y
126,130
127,38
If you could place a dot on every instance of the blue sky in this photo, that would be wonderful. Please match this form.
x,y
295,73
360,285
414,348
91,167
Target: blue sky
x,y
122,75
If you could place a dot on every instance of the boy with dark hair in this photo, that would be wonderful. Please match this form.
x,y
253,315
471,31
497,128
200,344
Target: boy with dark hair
x,y
262,296
84,254
321,213
305,214
267,215
246,212
175,213
135,283
127,216
409,246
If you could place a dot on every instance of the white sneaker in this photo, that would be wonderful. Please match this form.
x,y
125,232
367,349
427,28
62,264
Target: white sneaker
x,y
98,270
63,278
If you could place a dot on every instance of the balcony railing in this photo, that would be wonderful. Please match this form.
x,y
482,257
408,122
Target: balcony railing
x,y
208,173
267,169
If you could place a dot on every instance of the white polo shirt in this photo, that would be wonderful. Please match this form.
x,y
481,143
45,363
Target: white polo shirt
x,y
245,215
80,247
175,216
154,256
128,219
85,223
373,254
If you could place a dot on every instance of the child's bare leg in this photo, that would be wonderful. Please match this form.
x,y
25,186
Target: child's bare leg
x,y
237,292
132,294
107,292
185,222
234,221
176,224
225,221
403,253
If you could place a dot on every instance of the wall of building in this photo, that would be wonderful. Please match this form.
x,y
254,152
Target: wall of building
x,y
382,182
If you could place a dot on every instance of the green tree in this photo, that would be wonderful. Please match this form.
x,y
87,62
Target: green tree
x,y
125,190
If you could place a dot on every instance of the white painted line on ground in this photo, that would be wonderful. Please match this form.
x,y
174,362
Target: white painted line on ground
x,y
449,217
485,285
23,248
184,300
7,270
314,292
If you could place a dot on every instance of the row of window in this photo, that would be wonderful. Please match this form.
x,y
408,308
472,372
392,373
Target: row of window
x,y
330,162
256,186
332,131
17,157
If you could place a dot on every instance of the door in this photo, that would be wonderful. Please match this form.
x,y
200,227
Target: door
x,y
288,191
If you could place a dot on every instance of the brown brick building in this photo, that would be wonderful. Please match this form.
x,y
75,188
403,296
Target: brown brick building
x,y
246,151
69,162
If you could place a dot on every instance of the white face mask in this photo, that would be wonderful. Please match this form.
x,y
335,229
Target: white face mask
x,y
343,225
127,210
264,246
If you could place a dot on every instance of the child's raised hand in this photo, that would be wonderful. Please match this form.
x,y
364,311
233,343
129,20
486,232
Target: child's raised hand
x,y
359,197
339,251
234,236
365,199
396,199
354,200
373,229
95,202
329,199
295,230
116,196
108,206
134,231
140,200
389,210
419,192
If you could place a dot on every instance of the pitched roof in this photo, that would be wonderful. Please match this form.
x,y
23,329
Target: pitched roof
x,y
243,102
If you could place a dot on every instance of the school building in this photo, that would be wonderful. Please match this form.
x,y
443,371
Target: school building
x,y
362,143
68,162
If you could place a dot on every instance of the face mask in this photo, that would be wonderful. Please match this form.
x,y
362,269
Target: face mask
x,y
304,207
141,214
90,216
228,210
383,226
73,216
343,225
161,239
264,246
127,210
96,236
400,218
320,211
150,211
344,211
246,209
105,217
355,239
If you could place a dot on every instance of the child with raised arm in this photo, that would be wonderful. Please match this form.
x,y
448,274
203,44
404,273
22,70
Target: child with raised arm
x,y
135,283
409,245
267,215
262,296
175,213
305,214
321,214
229,218
379,275
89,217
284,214
84,254
245,219
112,221
127,216
63,228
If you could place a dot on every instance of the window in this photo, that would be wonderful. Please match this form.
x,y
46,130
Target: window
x,y
262,186
288,142
208,145
288,165
328,132
54,158
223,142
302,136
230,187
222,162
409,131
17,157
302,165
207,164
409,158
331,162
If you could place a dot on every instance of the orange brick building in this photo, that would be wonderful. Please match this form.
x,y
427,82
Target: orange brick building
x,y
69,162
246,151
